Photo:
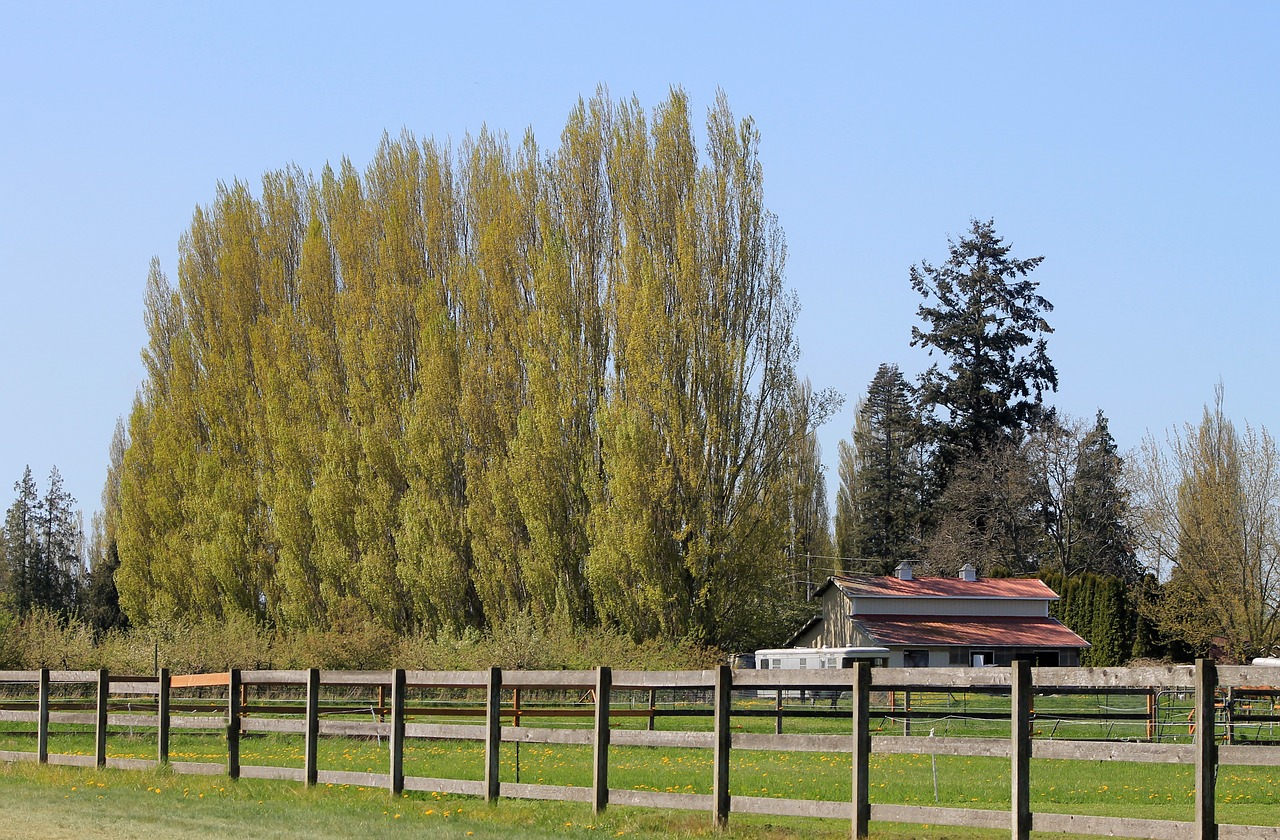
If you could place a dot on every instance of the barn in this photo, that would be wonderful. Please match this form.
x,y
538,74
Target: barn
x,y
938,621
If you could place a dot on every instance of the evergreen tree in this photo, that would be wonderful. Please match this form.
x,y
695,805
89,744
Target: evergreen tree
x,y
1098,507
43,547
886,477
985,317
22,560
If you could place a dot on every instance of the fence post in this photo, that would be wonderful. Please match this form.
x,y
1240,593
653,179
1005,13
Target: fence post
x,y
1206,747
653,707
777,713
162,716
397,731
861,749
313,728
1020,747
720,771
42,727
100,729
233,723
600,765
493,734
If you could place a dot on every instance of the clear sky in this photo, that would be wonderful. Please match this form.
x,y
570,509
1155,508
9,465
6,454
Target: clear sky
x,y
1135,145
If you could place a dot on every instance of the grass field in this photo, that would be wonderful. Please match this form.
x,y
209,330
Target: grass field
x,y
1249,796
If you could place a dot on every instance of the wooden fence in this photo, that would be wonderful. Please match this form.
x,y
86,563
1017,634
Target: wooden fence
x,y
231,715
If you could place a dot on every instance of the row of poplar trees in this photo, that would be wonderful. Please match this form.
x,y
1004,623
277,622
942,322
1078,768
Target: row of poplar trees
x,y
474,382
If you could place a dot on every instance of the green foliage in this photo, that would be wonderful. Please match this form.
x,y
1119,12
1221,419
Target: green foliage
x,y
1210,508
985,318
1108,612
880,506
41,566
466,385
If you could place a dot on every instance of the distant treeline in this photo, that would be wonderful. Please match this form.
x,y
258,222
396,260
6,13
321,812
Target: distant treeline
x,y
475,382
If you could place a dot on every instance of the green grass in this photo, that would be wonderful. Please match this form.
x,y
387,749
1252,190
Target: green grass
x,y
1153,791
1147,790
54,803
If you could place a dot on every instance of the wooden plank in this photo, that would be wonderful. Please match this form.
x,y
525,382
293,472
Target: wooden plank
x,y
634,680
355,728
133,720
1114,751
42,717
643,738
342,777
291,726
199,680
163,717
1113,826
790,807
370,678
285,774
600,739
396,735
233,724
429,785
19,676
723,739
820,678
1254,755
1240,676
132,763
1206,749
202,722
921,815
294,677
536,735
445,731
861,744
492,734
1248,832
925,678
72,760
582,680
658,799
552,792
134,688
311,732
100,724
11,755
73,676
1158,676
80,718
1020,748
446,679
792,743
197,768
24,717
924,745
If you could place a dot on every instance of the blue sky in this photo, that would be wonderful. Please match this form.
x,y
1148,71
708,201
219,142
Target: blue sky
x,y
1134,145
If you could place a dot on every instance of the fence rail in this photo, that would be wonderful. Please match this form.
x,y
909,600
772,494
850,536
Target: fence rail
x,y
234,716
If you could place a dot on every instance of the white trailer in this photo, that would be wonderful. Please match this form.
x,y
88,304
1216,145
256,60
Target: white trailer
x,y
799,659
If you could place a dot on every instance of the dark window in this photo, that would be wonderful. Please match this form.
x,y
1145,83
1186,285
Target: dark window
x,y
915,659
982,658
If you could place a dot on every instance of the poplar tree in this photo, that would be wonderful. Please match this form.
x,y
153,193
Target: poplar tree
x,y
1210,507
463,385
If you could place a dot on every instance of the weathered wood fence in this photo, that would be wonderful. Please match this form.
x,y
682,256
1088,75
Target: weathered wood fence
x,y
1021,683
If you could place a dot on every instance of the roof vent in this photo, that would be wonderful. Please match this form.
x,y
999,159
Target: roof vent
x,y
968,572
904,570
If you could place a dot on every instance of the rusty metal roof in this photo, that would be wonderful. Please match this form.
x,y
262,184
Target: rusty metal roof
x,y
968,631
944,587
